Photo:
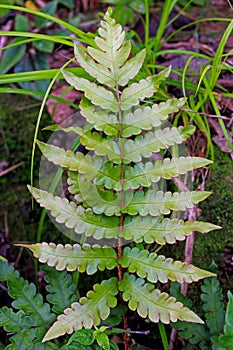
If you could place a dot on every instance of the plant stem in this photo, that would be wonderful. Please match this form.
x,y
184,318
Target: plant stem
x,y
147,24
119,255
163,336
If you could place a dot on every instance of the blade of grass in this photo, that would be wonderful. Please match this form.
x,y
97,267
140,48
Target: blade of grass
x,y
216,110
167,8
40,115
184,74
203,74
186,26
40,75
26,41
38,36
87,38
163,336
217,61
37,93
52,188
147,23
201,121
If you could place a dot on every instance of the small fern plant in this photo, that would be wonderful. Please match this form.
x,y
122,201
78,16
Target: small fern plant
x,y
217,332
113,190
26,322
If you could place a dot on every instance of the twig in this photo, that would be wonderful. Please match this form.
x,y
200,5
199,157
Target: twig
x,y
208,115
4,172
3,288
18,257
129,331
173,337
6,229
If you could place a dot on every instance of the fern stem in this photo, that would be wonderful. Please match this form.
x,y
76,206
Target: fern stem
x,y
119,255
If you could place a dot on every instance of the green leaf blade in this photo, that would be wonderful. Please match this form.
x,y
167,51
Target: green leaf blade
x,y
96,94
213,306
151,303
156,268
148,117
139,91
131,68
100,72
26,297
153,229
82,258
144,146
66,159
154,204
12,321
12,56
88,312
76,217
60,287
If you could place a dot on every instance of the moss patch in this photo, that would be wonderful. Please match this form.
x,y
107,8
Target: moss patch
x,y
217,209
18,118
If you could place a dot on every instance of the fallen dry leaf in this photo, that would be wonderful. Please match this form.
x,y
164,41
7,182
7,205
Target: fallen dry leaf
x,y
61,111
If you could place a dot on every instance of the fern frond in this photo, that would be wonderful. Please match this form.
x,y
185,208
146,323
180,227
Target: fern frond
x,y
150,302
195,333
98,95
22,340
153,229
102,146
148,117
144,146
144,88
154,267
76,217
14,321
30,339
141,174
82,258
213,306
134,150
154,204
226,340
25,295
88,312
61,289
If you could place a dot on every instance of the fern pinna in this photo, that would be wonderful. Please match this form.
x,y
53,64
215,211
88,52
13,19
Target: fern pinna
x,y
113,189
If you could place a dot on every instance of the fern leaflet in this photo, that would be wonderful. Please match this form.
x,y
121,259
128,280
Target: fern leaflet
x,y
60,287
88,312
82,258
150,302
155,267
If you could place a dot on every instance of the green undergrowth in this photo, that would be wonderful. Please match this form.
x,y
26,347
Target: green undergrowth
x,y
218,209
17,126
